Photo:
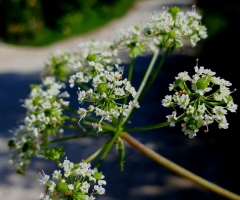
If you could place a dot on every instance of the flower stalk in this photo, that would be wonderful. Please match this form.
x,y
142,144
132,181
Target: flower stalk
x,y
177,169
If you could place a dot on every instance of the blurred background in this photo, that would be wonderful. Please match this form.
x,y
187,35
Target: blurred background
x,y
31,29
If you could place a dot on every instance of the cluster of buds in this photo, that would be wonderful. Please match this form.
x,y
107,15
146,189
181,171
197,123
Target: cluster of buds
x,y
57,64
108,87
129,39
74,183
43,116
91,58
200,109
170,27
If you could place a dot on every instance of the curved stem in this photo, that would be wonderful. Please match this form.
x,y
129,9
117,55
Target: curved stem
x,y
78,137
177,169
153,126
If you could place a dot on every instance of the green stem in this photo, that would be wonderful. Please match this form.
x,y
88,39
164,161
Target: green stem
x,y
177,169
154,126
129,75
76,127
76,120
93,156
78,137
81,85
148,85
154,76
117,134
87,116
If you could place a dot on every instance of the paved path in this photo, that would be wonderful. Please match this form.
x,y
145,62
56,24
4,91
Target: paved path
x,y
29,59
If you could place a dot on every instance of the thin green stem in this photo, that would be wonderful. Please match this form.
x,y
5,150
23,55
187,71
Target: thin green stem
x,y
81,85
154,76
93,156
148,85
87,116
154,126
77,127
130,75
177,169
113,139
76,120
78,137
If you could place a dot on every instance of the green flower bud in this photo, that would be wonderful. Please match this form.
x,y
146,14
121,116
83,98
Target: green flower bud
x,y
97,175
102,87
36,101
62,187
192,121
54,154
33,86
91,57
26,147
103,78
178,81
174,11
202,83
192,127
79,196
171,34
11,143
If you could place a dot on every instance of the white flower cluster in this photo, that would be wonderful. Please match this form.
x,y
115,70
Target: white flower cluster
x,y
200,109
108,87
73,183
129,39
57,64
170,27
91,58
43,114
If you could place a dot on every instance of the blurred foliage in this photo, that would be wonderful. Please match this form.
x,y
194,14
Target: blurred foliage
x,y
41,22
